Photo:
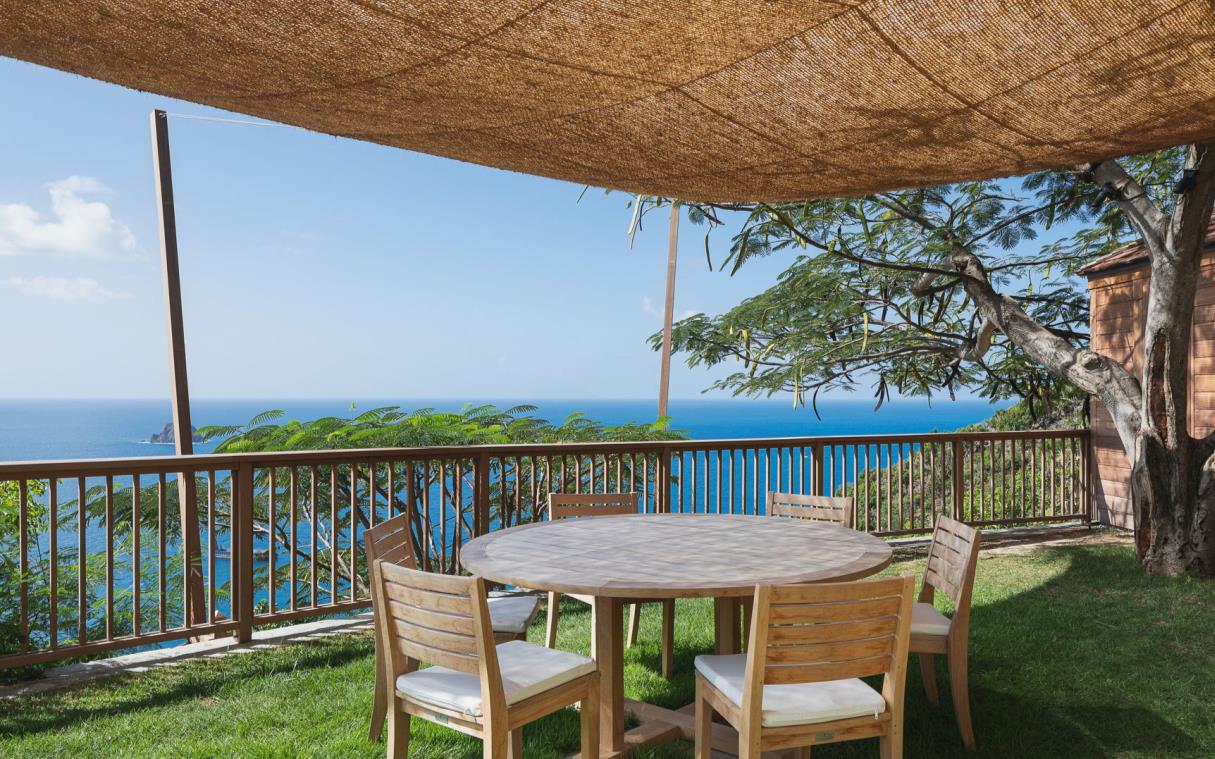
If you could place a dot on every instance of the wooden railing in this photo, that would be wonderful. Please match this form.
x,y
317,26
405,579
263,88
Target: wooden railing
x,y
279,534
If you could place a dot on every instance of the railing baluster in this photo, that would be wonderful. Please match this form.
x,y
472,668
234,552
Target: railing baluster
x,y
53,509
312,518
210,546
23,566
293,519
109,556
161,584
352,559
333,533
136,576
82,580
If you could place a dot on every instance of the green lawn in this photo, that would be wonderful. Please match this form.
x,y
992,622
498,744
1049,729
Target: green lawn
x,y
1073,654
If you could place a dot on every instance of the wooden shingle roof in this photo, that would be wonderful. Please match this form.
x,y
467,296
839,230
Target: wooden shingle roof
x,y
1131,255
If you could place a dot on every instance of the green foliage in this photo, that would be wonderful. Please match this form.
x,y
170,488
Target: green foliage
x,y
870,296
435,490
390,427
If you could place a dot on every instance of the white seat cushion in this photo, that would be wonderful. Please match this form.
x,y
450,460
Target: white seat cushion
x,y
801,704
926,620
512,614
527,669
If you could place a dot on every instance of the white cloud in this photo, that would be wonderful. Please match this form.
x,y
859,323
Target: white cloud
x,y
64,288
648,307
81,227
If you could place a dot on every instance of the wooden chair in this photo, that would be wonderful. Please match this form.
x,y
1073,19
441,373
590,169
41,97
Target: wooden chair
x,y
798,685
812,508
509,616
476,686
952,559
816,508
571,506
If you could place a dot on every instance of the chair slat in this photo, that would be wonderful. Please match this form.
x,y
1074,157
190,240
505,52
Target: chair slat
x,y
573,505
457,624
437,601
791,674
834,612
438,656
836,650
830,632
429,581
454,643
824,593
814,508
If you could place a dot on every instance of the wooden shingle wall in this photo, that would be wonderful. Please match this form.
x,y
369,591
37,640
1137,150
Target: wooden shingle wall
x,y
1118,303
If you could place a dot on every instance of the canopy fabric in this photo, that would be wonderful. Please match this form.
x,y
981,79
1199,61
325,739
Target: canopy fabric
x,y
695,99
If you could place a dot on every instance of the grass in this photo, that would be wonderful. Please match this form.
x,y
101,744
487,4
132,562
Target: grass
x,y
1073,654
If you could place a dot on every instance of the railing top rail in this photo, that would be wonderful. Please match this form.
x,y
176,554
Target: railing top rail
x,y
14,470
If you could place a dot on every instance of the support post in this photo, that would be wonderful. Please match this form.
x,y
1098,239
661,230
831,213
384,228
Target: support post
x,y
668,315
183,431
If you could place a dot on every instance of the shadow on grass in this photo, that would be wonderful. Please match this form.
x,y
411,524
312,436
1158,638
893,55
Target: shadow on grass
x,y
175,684
1074,654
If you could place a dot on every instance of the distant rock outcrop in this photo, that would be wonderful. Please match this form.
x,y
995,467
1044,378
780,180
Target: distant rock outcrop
x,y
165,436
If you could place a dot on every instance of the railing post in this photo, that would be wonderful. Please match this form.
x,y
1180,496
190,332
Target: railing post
x,y
242,553
955,448
481,496
1089,481
662,485
819,483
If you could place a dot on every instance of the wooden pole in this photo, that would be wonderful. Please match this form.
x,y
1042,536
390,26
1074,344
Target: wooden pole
x,y
183,431
668,317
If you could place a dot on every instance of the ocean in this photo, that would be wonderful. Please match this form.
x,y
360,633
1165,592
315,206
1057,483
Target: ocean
x,y
38,430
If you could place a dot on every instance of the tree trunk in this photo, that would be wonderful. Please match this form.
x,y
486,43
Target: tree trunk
x,y
1173,497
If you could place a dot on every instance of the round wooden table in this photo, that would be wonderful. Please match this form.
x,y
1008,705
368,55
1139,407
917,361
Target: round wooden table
x,y
617,558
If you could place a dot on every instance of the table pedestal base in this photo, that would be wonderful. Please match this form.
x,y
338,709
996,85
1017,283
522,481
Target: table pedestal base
x,y
659,725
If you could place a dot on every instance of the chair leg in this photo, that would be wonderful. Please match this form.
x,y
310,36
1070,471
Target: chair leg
x,y
959,686
398,732
554,613
634,624
891,746
379,707
928,673
748,741
516,744
668,637
590,721
704,723
803,752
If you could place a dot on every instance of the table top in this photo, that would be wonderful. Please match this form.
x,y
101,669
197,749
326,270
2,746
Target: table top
x,y
672,555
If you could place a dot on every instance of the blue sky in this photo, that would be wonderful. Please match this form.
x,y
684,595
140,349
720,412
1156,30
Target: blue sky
x,y
318,267
315,266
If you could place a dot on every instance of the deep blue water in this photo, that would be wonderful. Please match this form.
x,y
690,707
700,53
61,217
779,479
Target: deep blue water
x,y
63,429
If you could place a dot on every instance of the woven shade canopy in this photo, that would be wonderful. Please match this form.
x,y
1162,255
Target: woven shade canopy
x,y
696,99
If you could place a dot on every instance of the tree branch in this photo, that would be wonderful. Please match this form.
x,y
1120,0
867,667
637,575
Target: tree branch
x,y
1133,200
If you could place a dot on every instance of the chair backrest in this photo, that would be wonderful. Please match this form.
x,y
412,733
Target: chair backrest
x,y
421,617
569,505
390,541
830,631
952,559
816,508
